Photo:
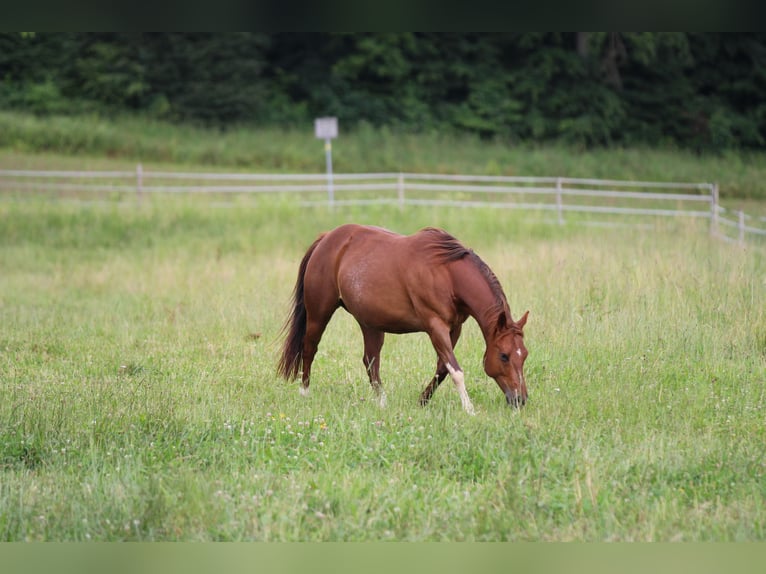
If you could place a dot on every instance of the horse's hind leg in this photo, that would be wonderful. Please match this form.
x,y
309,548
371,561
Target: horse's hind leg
x,y
373,342
317,318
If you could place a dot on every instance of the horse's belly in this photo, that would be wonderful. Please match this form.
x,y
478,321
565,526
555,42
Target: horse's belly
x,y
382,311
383,319
381,305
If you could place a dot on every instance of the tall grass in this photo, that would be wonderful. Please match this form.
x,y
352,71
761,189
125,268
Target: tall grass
x,y
140,402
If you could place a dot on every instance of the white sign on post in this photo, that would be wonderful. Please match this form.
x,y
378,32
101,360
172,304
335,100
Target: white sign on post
x,y
326,129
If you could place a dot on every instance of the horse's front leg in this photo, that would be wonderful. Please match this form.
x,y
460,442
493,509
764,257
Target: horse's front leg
x,y
441,368
441,374
373,343
444,341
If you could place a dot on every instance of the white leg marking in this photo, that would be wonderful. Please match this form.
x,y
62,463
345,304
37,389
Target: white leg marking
x,y
459,380
382,400
304,391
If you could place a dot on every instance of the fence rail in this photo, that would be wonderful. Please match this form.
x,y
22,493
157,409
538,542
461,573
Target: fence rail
x,y
564,196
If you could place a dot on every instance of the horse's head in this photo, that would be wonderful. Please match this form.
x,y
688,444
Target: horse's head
x,y
505,356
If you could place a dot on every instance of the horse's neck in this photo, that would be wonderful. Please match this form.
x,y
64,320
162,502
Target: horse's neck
x,y
478,297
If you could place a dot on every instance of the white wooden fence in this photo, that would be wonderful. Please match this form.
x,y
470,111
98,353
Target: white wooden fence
x,y
564,198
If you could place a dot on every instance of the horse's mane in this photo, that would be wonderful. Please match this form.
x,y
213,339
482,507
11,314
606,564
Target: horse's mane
x,y
446,248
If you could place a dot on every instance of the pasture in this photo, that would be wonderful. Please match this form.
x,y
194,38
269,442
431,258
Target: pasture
x,y
138,351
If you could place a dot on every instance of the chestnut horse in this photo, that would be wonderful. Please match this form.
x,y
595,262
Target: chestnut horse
x,y
393,283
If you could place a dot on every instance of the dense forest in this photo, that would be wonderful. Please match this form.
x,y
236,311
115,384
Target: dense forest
x,y
702,91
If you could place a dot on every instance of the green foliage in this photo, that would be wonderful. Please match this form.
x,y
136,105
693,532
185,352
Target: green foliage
x,y
703,91
109,72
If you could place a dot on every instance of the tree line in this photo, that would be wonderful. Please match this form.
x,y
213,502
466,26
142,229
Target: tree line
x,y
693,90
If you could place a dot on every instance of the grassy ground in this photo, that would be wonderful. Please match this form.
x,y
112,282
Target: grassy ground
x,y
137,357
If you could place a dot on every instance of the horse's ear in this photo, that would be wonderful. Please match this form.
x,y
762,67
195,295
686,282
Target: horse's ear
x,y
523,321
502,321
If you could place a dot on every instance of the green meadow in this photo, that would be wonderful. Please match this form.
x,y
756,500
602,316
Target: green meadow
x,y
138,348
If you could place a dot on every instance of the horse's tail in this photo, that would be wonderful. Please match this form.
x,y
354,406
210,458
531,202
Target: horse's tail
x,y
291,361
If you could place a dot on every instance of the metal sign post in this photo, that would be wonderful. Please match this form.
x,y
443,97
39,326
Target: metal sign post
x,y
327,129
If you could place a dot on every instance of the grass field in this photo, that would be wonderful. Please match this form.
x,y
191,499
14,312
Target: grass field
x,y
139,397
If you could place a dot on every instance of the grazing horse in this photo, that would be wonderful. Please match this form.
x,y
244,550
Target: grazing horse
x,y
425,282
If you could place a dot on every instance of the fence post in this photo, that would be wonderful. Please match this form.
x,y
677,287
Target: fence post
x,y
559,202
400,190
714,209
139,183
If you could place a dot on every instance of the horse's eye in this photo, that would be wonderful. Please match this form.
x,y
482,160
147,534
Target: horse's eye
x,y
504,357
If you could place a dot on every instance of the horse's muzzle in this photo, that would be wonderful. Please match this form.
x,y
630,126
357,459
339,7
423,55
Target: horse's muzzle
x,y
515,399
